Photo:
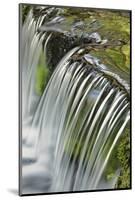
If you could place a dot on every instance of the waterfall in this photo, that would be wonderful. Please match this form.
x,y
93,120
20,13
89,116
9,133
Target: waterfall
x,y
70,131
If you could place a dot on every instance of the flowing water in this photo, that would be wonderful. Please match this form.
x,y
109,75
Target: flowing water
x,y
70,131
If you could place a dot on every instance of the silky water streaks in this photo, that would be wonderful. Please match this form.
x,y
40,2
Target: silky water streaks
x,y
72,129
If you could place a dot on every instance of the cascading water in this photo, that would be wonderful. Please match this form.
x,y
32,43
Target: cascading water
x,y
71,130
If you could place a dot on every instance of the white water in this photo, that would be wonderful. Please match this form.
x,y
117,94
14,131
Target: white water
x,y
68,133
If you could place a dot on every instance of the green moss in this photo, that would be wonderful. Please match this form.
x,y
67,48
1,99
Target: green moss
x,y
120,159
25,11
123,155
116,57
111,25
126,52
41,75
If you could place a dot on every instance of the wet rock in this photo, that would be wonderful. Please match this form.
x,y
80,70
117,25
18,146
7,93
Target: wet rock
x,y
95,37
